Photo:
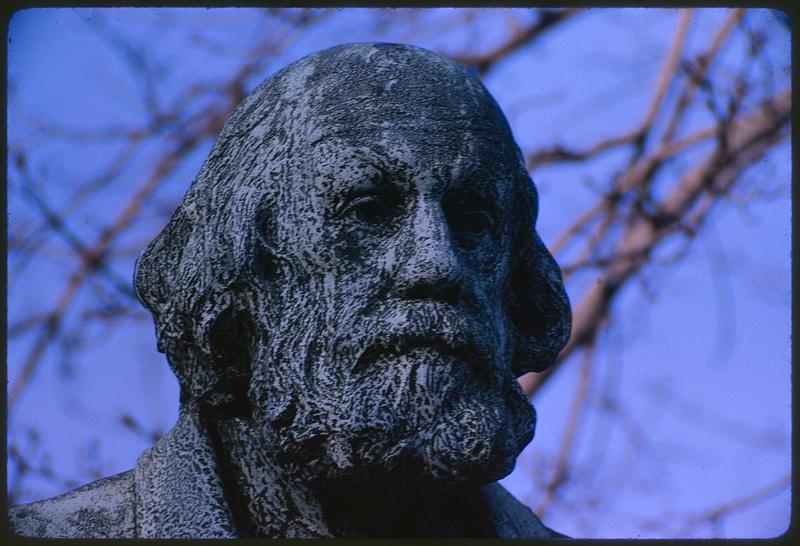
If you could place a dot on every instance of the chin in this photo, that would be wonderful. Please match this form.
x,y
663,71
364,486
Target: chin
x,y
474,441
470,450
431,422
479,446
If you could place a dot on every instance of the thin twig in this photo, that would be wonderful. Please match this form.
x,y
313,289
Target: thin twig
x,y
559,476
520,37
746,143
702,63
716,513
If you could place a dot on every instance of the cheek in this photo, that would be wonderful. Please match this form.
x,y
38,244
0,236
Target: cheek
x,y
301,231
365,252
318,314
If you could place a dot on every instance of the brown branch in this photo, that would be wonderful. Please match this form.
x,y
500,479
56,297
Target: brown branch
x,y
89,262
668,71
51,327
204,125
32,463
132,424
417,29
561,154
159,121
56,224
718,423
746,142
633,176
593,243
666,148
520,37
701,66
559,476
715,514
578,226
23,325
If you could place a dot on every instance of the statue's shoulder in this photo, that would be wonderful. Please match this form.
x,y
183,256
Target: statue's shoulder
x,y
101,509
511,518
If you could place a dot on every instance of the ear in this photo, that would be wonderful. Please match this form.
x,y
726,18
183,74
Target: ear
x,y
538,307
155,275
166,287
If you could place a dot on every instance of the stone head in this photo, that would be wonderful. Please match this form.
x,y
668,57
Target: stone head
x,y
356,270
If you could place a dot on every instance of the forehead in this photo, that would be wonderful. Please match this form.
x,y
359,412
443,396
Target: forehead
x,y
347,114
437,153
404,86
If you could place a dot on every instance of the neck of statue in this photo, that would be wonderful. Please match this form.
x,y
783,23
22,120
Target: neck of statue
x,y
360,511
267,501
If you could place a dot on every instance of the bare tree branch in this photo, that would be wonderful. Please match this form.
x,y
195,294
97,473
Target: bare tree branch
x,y
520,37
746,143
713,515
559,475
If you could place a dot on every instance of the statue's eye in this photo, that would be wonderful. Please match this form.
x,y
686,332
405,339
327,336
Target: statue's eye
x,y
471,219
368,209
473,222
371,208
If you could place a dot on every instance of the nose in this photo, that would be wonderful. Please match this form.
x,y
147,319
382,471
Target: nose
x,y
428,267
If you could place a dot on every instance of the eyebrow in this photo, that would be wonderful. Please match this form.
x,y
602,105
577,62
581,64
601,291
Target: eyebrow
x,y
369,171
484,166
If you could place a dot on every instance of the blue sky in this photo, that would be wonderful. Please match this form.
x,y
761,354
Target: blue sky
x,y
701,365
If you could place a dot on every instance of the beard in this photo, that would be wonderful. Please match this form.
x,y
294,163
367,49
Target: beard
x,y
414,412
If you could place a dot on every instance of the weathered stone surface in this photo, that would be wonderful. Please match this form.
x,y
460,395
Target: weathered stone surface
x,y
346,293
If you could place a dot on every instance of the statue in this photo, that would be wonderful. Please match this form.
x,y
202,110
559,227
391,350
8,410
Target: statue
x,y
347,294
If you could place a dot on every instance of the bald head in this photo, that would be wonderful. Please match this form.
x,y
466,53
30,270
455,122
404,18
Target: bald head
x,y
357,260
379,85
359,89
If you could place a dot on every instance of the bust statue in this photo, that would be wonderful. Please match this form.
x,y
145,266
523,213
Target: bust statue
x,y
347,293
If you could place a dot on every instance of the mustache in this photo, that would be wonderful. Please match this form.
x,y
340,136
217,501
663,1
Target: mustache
x,y
395,329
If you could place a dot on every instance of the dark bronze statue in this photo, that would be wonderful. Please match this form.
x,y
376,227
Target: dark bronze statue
x,y
347,294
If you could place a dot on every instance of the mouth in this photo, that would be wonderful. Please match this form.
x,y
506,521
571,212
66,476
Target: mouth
x,y
404,344
442,332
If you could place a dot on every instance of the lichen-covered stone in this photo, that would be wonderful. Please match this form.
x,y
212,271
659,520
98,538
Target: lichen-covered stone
x,y
347,293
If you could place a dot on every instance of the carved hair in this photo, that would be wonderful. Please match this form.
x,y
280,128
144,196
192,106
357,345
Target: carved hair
x,y
200,276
